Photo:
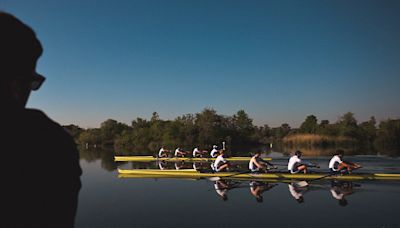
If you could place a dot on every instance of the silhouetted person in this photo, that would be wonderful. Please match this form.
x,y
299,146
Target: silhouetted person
x,y
41,171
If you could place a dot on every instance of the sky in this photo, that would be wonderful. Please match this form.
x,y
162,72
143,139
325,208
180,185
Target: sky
x,y
280,61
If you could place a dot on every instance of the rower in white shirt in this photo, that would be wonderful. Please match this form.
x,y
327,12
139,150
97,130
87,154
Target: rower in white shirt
x,y
295,165
215,152
336,164
221,164
180,153
163,153
198,153
257,164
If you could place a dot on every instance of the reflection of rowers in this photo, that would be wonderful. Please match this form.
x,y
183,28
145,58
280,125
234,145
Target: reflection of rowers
x,y
222,187
257,188
162,165
340,189
297,192
182,165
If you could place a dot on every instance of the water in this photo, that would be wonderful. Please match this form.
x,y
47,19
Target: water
x,y
108,201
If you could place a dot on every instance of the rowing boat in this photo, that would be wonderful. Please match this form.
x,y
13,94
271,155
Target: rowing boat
x,y
188,159
192,173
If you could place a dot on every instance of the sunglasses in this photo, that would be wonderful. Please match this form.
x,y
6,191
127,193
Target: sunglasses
x,y
37,81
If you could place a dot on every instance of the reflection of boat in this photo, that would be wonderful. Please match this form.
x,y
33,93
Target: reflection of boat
x,y
188,159
192,173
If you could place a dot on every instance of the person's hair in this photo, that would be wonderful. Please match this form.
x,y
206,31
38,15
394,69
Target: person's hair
x,y
343,202
300,199
298,153
340,152
19,46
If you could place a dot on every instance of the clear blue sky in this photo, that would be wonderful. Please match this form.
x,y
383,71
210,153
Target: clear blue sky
x,y
278,60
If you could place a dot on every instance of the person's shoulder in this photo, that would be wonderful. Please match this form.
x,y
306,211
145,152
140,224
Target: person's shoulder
x,y
45,124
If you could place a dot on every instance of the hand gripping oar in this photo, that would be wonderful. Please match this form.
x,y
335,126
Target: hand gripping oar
x,y
219,178
304,183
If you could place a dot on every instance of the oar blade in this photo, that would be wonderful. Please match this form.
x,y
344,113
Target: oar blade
x,y
302,184
214,178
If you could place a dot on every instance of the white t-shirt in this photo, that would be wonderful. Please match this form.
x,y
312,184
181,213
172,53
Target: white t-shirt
x,y
336,195
219,189
294,193
214,153
218,162
177,151
335,159
195,151
161,152
292,161
252,165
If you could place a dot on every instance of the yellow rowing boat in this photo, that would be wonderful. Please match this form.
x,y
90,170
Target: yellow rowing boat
x,y
175,159
192,173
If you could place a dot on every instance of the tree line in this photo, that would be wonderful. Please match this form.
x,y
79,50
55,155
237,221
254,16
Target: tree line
x,y
207,128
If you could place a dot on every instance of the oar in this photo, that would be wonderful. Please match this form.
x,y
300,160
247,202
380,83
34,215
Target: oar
x,y
305,183
219,178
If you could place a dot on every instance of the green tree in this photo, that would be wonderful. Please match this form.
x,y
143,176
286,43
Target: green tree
x,y
309,125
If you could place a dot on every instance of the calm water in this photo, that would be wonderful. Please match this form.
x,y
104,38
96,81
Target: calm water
x,y
108,201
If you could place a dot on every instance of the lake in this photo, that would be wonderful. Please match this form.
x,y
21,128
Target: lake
x,y
108,201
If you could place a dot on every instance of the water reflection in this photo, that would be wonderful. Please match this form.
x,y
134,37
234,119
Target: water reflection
x,y
341,189
108,201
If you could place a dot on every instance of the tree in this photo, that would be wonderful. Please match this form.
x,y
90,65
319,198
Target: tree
x,y
348,126
309,125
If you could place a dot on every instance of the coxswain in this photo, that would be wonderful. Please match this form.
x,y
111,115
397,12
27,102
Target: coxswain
x,y
336,164
295,165
257,164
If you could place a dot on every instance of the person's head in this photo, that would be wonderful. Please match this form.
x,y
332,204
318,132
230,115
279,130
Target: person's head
x,y
257,153
224,197
215,147
340,153
300,199
20,50
298,153
343,202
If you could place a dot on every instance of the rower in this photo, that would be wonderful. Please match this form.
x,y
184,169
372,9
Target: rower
x,y
336,164
295,165
163,153
257,164
198,153
215,152
221,164
179,152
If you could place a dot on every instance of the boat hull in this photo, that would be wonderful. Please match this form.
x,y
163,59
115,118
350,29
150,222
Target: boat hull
x,y
176,159
193,174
